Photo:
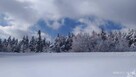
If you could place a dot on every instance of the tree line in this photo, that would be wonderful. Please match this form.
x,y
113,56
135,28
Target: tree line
x,y
83,42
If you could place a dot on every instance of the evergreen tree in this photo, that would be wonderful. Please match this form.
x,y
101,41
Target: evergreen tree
x,y
68,42
32,45
97,42
39,43
1,46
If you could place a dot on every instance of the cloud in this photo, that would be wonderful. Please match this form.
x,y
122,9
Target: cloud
x,y
18,16
30,10
24,13
4,20
89,26
122,11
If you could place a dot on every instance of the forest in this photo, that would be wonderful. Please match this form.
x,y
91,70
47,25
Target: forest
x,y
115,41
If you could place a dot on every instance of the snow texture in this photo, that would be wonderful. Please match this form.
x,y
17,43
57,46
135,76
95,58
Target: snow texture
x,y
93,64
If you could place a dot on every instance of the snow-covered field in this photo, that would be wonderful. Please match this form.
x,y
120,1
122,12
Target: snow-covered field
x,y
68,64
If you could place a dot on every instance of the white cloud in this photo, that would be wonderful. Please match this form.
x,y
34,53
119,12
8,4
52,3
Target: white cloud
x,y
122,11
52,23
20,16
89,27
24,13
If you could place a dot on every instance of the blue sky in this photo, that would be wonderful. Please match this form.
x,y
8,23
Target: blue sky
x,y
25,17
69,24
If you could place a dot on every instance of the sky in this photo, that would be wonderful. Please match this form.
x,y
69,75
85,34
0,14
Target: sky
x,y
25,17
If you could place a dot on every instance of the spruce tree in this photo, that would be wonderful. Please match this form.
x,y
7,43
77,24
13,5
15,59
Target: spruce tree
x,y
39,43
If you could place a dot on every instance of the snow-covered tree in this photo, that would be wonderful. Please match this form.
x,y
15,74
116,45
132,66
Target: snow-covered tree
x,y
68,42
39,47
114,41
59,43
1,45
32,44
81,43
25,44
46,45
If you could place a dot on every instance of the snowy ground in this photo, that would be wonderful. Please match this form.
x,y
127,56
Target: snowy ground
x,y
68,64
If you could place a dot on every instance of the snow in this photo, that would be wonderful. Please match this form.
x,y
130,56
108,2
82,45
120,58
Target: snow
x,y
107,64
